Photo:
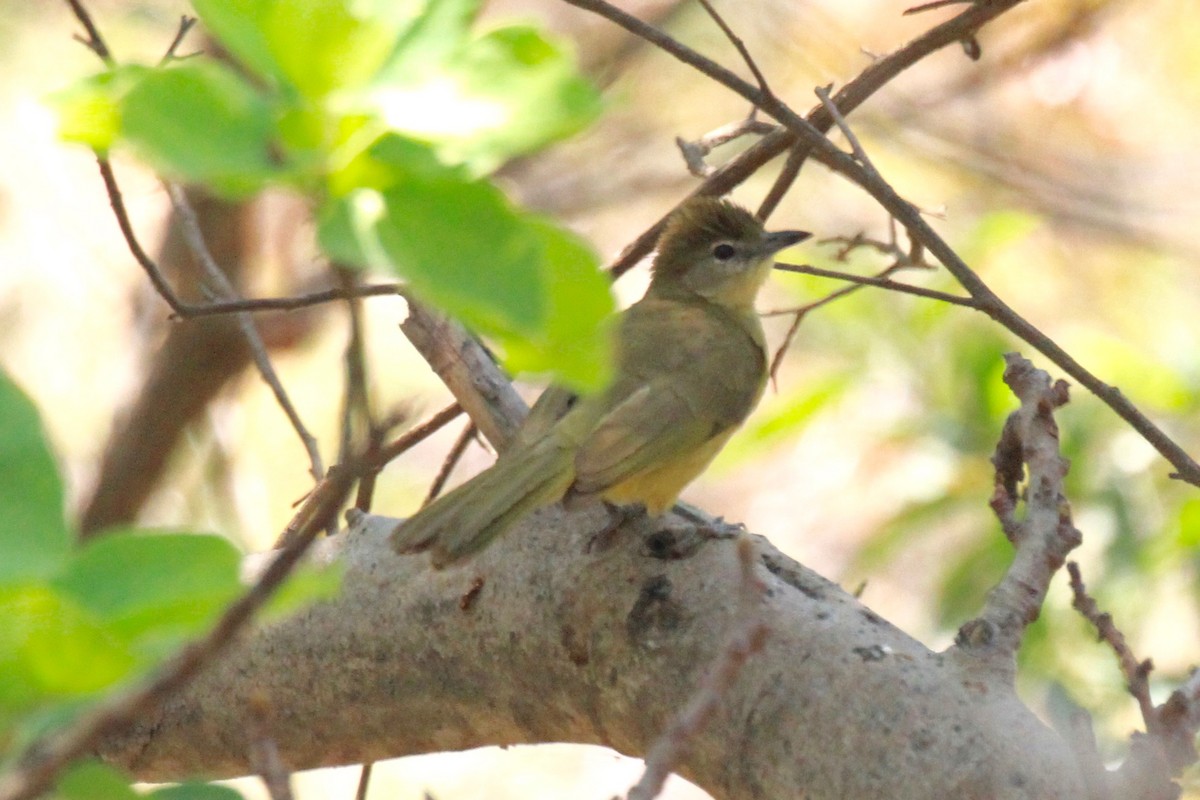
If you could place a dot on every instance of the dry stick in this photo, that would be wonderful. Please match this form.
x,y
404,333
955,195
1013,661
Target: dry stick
x,y
738,45
851,96
419,434
800,313
882,278
867,280
1137,673
94,41
194,237
148,265
38,766
468,371
909,216
451,460
265,758
356,400
694,152
217,307
364,781
1045,535
184,310
186,23
748,637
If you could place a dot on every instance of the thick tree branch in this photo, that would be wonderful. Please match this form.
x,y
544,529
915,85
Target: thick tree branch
x,y
559,644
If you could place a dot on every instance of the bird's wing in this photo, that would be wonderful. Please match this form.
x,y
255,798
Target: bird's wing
x,y
687,373
651,426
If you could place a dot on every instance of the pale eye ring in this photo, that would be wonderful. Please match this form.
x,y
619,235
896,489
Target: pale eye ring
x,y
723,251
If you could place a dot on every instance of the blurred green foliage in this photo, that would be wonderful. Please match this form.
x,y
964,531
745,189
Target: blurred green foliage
x,y
388,115
80,622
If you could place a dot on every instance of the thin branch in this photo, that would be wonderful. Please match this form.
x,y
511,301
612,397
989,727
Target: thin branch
x,y
356,405
747,638
934,4
1137,673
94,41
117,201
42,762
365,495
194,236
800,313
737,42
264,751
909,216
451,460
849,97
694,152
218,307
419,434
856,147
469,372
364,781
783,181
1044,535
186,23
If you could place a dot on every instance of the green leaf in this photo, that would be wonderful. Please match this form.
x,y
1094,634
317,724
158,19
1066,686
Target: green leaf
x,y
431,42
154,589
34,540
460,245
195,790
89,112
498,96
313,46
92,780
200,122
45,640
576,339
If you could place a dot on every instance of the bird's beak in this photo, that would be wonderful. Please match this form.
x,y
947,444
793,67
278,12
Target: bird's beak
x,y
775,241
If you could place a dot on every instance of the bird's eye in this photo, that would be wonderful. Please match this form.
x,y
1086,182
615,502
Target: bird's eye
x,y
723,252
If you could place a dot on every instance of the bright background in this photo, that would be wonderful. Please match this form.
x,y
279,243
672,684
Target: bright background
x,y
1063,167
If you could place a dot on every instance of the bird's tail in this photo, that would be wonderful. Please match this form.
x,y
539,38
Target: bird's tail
x,y
464,521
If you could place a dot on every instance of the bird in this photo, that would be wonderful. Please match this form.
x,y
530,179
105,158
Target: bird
x,y
691,364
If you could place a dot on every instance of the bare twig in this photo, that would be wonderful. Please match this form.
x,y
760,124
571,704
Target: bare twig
x,y
186,23
934,4
264,752
419,434
747,638
468,370
783,181
159,281
218,307
694,152
739,45
909,216
451,460
364,781
848,98
194,237
1137,673
40,764
856,147
881,279
1169,746
1044,535
356,405
94,41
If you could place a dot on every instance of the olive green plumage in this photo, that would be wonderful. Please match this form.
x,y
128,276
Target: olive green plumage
x,y
691,365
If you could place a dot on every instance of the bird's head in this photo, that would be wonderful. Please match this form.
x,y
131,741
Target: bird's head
x,y
717,250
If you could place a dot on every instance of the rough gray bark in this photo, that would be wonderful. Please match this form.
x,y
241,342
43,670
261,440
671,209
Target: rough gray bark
x,y
539,640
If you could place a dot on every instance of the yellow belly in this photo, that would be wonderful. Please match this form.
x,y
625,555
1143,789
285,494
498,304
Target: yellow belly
x,y
659,486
